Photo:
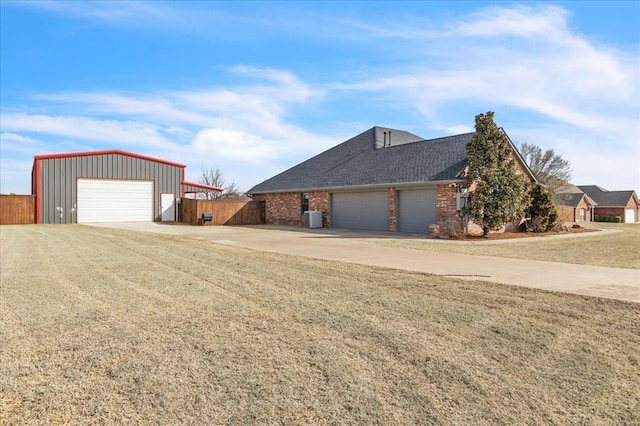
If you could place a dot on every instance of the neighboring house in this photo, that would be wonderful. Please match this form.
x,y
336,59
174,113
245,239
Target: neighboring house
x,y
573,205
624,204
381,180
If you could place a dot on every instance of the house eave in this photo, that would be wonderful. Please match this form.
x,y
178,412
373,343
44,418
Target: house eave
x,y
363,187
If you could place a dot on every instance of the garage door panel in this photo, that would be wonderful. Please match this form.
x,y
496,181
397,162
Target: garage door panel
x,y
629,215
103,200
360,210
416,210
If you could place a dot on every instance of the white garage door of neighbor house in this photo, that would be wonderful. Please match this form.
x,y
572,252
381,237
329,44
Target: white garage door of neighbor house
x,y
360,210
629,215
105,200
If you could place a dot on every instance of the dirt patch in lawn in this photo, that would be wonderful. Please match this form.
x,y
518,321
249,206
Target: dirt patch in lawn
x,y
107,326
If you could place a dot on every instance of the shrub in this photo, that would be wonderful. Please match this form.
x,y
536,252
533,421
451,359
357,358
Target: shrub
x,y
542,211
607,218
452,227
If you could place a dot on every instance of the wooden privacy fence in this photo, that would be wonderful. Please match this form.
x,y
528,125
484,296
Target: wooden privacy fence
x,y
17,209
224,212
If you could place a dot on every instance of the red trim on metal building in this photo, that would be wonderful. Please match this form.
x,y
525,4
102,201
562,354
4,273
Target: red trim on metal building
x,y
201,186
112,151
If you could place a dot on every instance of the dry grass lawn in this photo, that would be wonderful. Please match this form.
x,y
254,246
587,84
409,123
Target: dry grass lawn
x,y
619,250
105,326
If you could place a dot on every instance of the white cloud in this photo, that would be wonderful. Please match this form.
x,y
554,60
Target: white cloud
x,y
178,131
547,22
157,106
597,168
119,13
12,138
554,87
524,61
15,175
117,132
241,126
236,145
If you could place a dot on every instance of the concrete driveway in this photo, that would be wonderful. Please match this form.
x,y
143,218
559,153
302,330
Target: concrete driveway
x,y
351,246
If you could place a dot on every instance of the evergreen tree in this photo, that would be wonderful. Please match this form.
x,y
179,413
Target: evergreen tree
x,y
542,212
501,194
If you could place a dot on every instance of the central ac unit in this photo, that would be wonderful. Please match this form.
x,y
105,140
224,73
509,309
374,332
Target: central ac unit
x,y
313,219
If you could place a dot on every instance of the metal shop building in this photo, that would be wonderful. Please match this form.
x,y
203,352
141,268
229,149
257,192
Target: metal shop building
x,y
108,186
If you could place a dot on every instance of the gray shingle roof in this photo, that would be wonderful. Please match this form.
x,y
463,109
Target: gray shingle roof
x,y
606,198
365,160
572,199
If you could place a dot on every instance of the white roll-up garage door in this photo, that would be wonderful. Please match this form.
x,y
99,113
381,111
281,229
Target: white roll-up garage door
x,y
629,215
105,200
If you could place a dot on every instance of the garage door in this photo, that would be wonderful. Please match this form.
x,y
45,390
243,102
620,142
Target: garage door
x,y
360,210
103,200
629,215
416,210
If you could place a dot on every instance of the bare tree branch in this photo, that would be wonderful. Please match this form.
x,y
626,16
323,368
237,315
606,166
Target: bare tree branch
x,y
550,169
215,177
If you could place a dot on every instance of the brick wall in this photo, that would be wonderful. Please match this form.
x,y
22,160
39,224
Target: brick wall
x,y
282,208
393,214
520,168
619,211
319,200
445,201
610,211
286,208
634,205
566,214
448,219
587,211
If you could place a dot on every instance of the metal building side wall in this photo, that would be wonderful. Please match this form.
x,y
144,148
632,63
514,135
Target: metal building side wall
x,y
56,194
168,181
58,181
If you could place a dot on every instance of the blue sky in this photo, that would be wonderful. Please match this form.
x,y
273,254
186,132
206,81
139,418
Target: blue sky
x,y
256,87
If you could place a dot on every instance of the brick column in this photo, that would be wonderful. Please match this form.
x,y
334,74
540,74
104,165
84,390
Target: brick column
x,y
393,219
445,210
445,202
319,200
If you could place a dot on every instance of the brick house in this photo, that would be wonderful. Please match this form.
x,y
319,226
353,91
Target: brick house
x,y
624,204
380,180
575,206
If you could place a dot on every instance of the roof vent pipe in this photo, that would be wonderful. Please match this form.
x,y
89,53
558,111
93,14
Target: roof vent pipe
x,y
389,137
384,143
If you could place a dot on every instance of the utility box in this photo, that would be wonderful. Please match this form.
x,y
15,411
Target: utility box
x,y
313,219
461,199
